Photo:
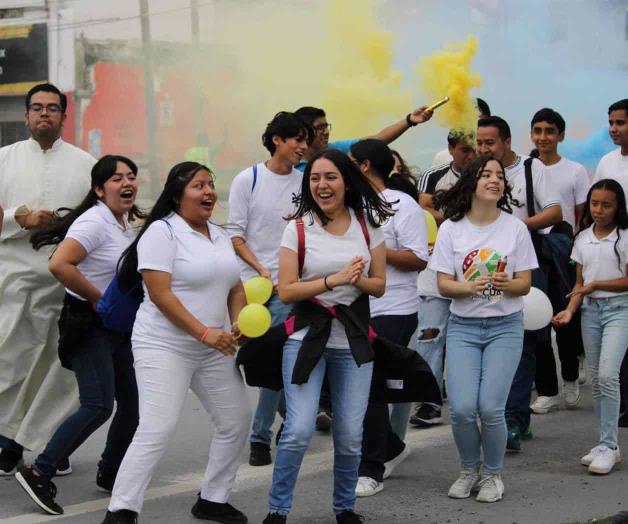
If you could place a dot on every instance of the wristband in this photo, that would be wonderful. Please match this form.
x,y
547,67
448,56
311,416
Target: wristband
x,y
327,285
410,122
204,335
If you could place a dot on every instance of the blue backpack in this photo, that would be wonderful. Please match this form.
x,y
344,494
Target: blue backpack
x,y
117,309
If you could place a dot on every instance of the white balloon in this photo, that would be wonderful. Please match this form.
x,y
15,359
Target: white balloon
x,y
537,310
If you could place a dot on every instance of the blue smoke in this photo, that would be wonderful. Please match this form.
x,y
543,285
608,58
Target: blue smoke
x,y
588,151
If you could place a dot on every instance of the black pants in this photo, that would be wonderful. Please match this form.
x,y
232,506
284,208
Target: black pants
x,y
379,443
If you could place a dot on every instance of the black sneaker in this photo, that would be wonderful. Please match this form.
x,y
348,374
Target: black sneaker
x,y
426,416
623,420
217,512
9,462
275,518
513,443
104,482
123,516
323,420
40,489
349,517
260,454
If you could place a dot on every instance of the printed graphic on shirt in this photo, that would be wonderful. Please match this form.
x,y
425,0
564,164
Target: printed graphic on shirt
x,y
482,262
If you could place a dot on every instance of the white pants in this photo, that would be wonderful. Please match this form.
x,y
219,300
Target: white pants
x,y
163,380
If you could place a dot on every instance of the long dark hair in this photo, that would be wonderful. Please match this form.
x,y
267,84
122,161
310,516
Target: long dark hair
x,y
456,201
406,172
621,215
382,163
167,203
64,217
359,193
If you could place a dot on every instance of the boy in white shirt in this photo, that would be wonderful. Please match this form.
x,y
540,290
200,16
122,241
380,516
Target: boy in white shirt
x,y
259,199
547,130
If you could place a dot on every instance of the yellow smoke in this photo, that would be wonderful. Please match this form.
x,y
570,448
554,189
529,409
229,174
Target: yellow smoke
x,y
448,73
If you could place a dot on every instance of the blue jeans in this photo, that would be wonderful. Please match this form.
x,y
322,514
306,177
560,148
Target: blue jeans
x,y
482,357
349,387
270,401
433,315
605,338
104,370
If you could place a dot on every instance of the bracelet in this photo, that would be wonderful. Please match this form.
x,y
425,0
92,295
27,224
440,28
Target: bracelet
x,y
410,122
327,285
204,335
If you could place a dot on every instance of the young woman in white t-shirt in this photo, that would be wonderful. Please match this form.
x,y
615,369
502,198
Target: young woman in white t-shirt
x,y
191,277
90,240
394,315
601,255
338,268
484,257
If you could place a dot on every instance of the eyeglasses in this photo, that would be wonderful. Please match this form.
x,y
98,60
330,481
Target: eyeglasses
x,y
50,108
322,127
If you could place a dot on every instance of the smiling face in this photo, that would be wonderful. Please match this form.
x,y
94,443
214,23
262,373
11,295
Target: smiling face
x,y
545,137
199,198
290,149
321,133
44,117
491,183
119,191
327,186
603,207
490,143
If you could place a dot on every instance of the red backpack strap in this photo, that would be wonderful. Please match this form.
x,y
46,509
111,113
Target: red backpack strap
x,y
300,243
365,230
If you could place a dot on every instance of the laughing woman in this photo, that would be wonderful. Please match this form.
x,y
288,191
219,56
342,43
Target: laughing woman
x,y
90,240
191,277
484,257
338,260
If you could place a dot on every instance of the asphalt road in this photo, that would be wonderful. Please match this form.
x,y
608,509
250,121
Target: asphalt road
x,y
544,484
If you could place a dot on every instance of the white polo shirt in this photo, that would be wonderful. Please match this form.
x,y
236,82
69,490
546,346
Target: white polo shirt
x,y
571,182
599,260
104,239
613,165
203,271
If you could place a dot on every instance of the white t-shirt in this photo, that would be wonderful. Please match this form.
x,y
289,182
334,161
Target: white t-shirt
x,y
326,254
467,251
442,157
203,271
571,181
257,215
614,165
545,194
406,230
104,239
598,258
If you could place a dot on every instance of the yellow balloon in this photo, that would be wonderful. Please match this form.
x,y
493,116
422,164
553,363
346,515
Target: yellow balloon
x,y
432,228
254,320
258,290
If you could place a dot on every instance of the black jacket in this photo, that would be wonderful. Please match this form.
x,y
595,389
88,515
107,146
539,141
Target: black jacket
x,y
399,373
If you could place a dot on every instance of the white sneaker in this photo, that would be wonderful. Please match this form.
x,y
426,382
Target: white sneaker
x,y
393,463
605,460
588,458
367,487
571,390
544,405
491,488
465,484
582,371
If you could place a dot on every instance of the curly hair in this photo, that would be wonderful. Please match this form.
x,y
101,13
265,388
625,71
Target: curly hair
x,y
456,201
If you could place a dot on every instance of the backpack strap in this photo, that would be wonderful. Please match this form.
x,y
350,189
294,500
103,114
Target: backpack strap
x,y
254,166
365,231
527,165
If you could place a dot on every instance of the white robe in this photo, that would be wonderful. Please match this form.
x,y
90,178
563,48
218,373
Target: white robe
x,y
36,393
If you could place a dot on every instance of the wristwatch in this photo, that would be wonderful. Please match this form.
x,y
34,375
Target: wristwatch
x,y
410,122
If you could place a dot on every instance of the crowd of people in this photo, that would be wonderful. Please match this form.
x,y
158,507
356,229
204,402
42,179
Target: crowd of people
x,y
340,230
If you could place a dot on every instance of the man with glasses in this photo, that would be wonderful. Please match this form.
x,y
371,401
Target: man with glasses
x,y
37,176
317,118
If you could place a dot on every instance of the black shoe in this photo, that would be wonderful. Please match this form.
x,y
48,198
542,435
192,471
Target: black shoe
x,y
40,489
349,517
104,482
260,454
426,416
623,420
278,435
514,437
323,420
275,518
9,462
217,512
123,516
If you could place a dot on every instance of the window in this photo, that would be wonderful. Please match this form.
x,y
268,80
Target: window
x,y
11,132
